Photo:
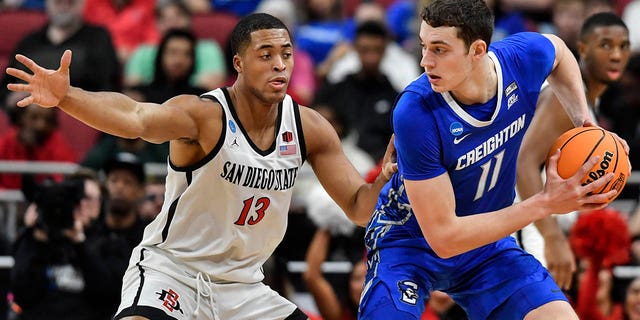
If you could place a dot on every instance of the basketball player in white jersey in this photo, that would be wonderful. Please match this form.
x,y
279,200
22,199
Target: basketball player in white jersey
x,y
604,50
234,156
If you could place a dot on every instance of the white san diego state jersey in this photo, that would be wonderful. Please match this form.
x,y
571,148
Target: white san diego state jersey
x,y
226,214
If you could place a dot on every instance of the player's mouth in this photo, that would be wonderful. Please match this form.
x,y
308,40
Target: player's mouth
x,y
433,78
278,82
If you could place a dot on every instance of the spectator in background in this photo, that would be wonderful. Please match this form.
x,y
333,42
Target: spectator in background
x,y
34,136
332,303
601,240
302,86
239,8
507,20
308,192
630,16
322,27
399,66
597,6
153,200
96,64
402,20
121,228
109,145
365,98
567,18
632,300
130,22
54,271
91,204
174,65
209,69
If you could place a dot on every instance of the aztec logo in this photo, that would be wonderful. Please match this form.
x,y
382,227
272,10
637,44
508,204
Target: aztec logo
x,y
170,300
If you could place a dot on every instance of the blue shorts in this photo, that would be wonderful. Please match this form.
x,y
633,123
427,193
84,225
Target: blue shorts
x,y
506,286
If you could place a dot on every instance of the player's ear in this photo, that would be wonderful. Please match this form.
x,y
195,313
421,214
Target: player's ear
x,y
237,63
478,48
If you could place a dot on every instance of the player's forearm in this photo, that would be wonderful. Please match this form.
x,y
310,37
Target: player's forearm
x,y
567,84
463,234
365,201
110,112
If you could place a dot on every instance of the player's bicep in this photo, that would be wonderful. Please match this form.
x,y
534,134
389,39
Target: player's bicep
x,y
173,120
416,140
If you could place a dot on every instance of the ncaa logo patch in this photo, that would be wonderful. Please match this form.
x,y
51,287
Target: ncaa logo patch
x,y
456,128
409,292
232,126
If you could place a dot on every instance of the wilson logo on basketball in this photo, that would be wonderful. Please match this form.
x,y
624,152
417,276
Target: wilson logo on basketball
x,y
598,173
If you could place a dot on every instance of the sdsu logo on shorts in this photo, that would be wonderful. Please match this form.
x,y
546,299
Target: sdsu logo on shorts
x,y
170,300
409,291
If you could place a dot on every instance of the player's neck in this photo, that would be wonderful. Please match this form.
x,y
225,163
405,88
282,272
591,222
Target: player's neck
x,y
480,87
595,88
256,117
251,108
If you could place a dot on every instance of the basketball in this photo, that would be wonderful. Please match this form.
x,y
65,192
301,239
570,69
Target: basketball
x,y
579,144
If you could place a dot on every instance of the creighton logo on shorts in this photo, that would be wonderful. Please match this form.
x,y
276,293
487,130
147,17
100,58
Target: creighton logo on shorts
x,y
409,291
170,300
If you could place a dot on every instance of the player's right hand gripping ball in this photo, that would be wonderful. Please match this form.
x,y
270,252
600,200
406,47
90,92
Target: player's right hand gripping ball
x,y
579,144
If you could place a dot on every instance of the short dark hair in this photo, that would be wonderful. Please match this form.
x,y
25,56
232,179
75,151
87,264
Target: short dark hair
x,y
602,19
372,28
241,34
473,19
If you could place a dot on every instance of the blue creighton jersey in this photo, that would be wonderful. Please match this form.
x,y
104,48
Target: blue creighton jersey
x,y
476,145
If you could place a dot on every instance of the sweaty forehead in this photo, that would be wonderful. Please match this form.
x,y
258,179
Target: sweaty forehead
x,y
269,38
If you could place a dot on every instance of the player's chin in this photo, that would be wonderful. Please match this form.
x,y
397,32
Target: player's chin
x,y
438,89
276,97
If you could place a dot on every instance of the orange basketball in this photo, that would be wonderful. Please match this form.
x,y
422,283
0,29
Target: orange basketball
x,y
579,144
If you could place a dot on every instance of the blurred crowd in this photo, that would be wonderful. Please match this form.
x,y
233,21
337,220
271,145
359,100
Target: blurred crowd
x,y
352,58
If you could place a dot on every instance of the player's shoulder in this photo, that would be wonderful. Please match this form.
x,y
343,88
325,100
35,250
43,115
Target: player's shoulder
x,y
310,118
199,106
521,43
417,94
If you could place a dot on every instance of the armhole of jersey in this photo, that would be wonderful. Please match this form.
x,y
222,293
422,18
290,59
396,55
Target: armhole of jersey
x,y
303,146
216,148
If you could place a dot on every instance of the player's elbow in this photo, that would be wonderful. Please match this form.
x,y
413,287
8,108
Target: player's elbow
x,y
442,246
359,220
443,251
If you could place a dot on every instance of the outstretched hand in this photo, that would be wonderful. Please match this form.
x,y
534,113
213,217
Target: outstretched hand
x,y
45,87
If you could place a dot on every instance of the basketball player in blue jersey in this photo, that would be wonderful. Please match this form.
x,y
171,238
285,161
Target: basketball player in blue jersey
x,y
604,50
443,222
234,157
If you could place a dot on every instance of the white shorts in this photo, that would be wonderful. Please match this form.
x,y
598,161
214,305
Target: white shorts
x,y
186,294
